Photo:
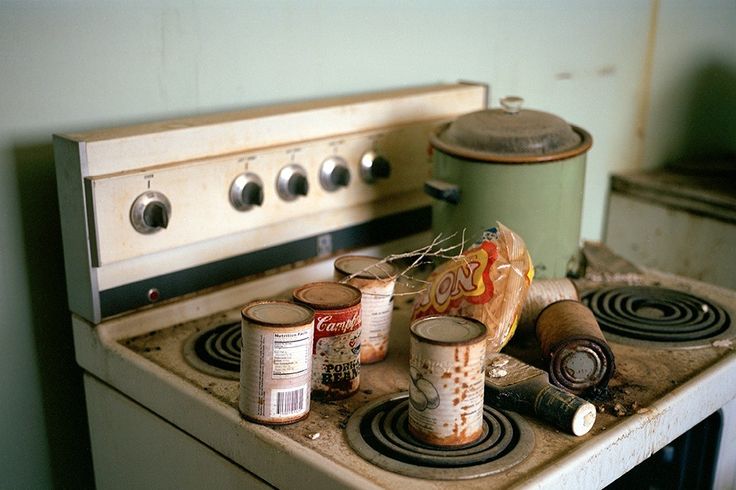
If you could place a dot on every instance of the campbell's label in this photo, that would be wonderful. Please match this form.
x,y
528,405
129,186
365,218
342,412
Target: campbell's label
x,y
336,353
467,279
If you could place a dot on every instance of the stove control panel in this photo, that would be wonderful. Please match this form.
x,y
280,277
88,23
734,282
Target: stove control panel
x,y
163,198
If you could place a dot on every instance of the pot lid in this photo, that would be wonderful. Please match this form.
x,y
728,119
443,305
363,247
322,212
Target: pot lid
x,y
511,134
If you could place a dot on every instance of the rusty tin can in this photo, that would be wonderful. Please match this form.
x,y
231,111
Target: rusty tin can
x,y
541,293
572,343
447,366
276,362
376,280
336,347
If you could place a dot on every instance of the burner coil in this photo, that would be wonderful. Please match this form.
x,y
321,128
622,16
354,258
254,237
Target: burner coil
x,y
379,433
657,314
216,351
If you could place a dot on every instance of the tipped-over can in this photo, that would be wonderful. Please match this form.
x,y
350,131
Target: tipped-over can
x,y
514,385
572,343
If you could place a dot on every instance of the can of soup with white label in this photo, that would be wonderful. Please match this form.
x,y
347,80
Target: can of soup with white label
x,y
376,280
276,362
447,366
336,348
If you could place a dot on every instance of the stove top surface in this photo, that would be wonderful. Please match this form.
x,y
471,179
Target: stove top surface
x,y
645,374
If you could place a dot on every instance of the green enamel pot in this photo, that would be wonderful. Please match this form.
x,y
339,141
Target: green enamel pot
x,y
523,168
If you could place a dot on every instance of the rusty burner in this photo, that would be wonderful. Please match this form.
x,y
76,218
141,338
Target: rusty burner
x,y
379,432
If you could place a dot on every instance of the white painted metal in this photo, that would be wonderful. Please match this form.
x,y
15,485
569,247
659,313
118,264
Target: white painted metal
x,y
194,161
134,448
285,462
682,233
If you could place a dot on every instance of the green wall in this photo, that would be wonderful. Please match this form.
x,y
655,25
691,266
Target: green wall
x,y
67,65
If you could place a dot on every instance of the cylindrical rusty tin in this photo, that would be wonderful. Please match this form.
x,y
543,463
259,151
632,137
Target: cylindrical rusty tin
x,y
572,342
336,348
446,364
543,292
376,280
276,362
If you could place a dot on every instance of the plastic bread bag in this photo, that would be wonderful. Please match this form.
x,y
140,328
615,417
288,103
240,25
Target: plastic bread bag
x,y
488,282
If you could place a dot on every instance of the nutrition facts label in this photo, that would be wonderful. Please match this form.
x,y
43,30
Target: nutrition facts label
x,y
291,354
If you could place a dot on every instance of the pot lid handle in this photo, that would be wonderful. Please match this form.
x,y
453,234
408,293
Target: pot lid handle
x,y
511,104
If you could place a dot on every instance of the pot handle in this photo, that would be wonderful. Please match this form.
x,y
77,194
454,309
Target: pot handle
x,y
443,191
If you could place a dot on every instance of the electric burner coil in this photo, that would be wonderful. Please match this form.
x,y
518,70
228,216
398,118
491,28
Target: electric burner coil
x,y
378,432
655,315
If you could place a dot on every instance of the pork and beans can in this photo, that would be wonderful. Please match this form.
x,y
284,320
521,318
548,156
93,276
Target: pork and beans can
x,y
376,280
276,362
447,367
336,347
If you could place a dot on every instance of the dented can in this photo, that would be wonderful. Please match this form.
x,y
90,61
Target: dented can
x,y
447,366
336,347
276,362
376,280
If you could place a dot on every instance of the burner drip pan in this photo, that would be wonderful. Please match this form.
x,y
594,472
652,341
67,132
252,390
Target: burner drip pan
x,y
216,351
658,317
379,433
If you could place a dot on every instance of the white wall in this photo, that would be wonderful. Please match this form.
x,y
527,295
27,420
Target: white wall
x,y
67,65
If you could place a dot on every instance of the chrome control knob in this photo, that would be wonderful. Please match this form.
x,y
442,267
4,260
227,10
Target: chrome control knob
x,y
292,182
334,173
374,167
246,191
150,212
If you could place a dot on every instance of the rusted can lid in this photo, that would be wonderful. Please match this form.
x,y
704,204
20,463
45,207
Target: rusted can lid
x,y
327,295
365,267
277,313
448,330
511,135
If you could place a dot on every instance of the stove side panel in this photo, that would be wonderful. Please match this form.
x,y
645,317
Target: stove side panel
x,y
134,448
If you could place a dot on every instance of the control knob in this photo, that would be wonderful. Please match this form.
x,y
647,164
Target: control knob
x,y
150,212
246,191
334,174
374,167
292,182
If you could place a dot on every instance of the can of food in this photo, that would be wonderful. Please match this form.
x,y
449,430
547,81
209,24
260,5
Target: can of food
x,y
276,362
447,367
336,347
541,293
573,345
376,280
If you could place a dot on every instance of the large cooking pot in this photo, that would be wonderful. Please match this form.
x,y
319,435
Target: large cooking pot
x,y
521,167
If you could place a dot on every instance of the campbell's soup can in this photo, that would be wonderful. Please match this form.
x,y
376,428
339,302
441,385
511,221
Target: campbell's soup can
x,y
447,367
336,347
376,280
276,361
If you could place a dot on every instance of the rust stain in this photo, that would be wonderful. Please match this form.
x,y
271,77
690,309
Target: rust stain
x,y
646,85
606,71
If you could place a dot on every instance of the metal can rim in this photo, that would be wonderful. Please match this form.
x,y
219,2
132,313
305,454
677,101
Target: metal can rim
x,y
473,340
389,274
299,293
250,319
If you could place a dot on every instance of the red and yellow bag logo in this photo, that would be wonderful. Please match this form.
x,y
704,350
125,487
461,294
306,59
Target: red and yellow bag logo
x,y
467,279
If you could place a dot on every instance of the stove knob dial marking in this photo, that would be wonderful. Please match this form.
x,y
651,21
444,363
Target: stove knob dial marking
x,y
150,212
246,191
292,182
374,167
334,173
